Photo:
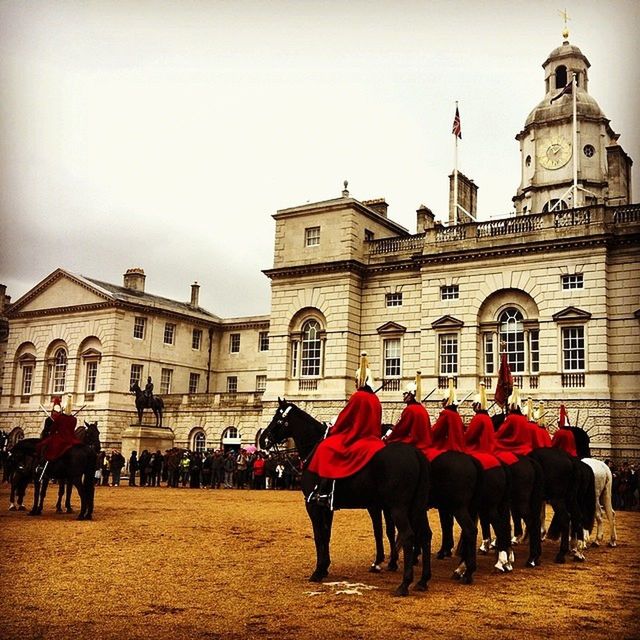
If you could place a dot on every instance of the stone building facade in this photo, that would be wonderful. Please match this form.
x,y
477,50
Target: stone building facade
x,y
557,286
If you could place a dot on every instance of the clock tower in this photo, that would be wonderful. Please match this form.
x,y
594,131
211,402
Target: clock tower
x,y
561,145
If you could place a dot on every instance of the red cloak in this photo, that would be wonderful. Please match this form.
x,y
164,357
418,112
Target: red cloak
x,y
353,440
61,438
447,433
414,427
565,440
480,440
514,435
539,436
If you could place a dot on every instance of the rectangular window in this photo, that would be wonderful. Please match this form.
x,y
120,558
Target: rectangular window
x,y
139,328
450,292
169,333
312,236
166,377
261,383
27,380
369,236
393,299
489,358
294,359
92,376
136,375
232,384
534,350
234,343
573,281
196,339
263,341
448,354
573,348
194,382
392,361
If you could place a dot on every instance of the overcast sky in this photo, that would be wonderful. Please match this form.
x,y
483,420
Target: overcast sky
x,y
164,135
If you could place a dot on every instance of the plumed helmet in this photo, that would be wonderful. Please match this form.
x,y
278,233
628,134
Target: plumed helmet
x,y
530,415
539,414
481,397
410,389
514,399
68,404
363,373
57,404
418,393
449,396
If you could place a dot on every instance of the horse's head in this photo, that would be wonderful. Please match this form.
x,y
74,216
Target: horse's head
x,y
92,437
278,430
135,388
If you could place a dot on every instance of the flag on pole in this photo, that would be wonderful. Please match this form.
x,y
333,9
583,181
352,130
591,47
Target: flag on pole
x,y
566,91
457,130
504,386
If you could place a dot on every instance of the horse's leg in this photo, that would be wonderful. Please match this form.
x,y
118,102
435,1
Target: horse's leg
x,y
560,523
424,535
60,494
376,521
407,540
77,483
321,520
37,485
12,497
611,514
43,493
446,526
485,526
390,529
469,533
67,502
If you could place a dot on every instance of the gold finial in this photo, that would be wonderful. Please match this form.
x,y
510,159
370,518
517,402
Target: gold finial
x,y
565,17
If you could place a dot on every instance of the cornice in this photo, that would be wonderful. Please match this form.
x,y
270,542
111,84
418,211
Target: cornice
x,y
340,266
56,311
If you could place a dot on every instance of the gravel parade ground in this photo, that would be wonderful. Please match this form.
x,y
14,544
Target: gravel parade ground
x,y
180,564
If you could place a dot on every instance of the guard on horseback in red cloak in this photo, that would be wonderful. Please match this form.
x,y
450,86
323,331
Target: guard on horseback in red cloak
x,y
539,435
352,440
447,434
514,435
414,425
58,432
479,438
564,437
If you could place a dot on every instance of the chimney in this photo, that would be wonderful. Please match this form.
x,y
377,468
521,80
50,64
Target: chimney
x,y
379,205
134,279
424,219
195,293
467,199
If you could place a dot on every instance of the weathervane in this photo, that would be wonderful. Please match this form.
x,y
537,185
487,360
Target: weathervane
x,y
566,18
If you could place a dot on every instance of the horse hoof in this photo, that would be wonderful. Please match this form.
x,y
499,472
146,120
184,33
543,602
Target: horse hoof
x,y
392,566
421,586
560,559
12,507
375,568
441,555
317,576
466,579
22,508
401,591
530,564
613,543
58,510
456,576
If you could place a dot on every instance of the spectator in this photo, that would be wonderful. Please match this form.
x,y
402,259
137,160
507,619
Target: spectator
x,y
106,469
117,462
133,467
143,465
217,470
258,472
206,469
229,470
195,468
185,463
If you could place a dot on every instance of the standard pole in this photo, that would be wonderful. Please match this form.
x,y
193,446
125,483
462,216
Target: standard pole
x,y
574,142
455,176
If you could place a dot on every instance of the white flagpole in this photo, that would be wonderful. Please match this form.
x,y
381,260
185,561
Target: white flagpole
x,y
455,176
574,142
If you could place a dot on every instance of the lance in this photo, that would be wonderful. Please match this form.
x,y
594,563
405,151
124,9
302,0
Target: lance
x,y
384,384
429,394
46,413
75,413
44,468
466,397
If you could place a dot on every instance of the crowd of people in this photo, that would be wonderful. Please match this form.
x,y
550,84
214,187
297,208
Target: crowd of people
x,y
214,469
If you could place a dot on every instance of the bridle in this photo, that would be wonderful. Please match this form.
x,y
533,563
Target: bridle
x,y
284,452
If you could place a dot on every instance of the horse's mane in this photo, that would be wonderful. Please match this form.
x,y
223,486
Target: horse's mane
x,y
307,416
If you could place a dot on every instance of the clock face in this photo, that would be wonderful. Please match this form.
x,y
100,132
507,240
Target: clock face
x,y
556,152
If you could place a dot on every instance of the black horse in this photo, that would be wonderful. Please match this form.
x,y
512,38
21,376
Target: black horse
x,y
77,466
155,403
21,465
569,489
396,478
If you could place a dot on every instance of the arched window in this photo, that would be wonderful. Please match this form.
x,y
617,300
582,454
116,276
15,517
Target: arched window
x,y
511,331
561,76
311,349
59,371
199,442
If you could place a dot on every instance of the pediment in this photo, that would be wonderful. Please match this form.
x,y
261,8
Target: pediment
x,y
447,322
60,289
391,327
571,313
91,353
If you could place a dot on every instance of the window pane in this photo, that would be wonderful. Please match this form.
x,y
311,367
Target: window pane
x,y
166,377
263,341
59,371
234,343
450,292
139,326
512,334
534,350
573,348
194,382
393,299
311,348
92,376
169,333
489,362
448,354
232,384
200,442
312,236
196,339
261,383
294,359
136,374
27,380
392,363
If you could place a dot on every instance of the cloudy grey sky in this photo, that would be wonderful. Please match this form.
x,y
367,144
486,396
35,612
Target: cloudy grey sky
x,y
164,135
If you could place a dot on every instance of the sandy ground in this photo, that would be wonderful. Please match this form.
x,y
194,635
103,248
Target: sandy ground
x,y
193,563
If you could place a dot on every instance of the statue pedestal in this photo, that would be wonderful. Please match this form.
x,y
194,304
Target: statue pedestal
x,y
138,438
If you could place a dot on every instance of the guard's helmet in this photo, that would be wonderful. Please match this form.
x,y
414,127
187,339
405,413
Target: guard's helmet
x,y
363,373
514,401
481,397
449,396
410,389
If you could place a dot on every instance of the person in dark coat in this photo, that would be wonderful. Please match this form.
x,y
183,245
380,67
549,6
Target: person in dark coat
x,y
133,467
117,462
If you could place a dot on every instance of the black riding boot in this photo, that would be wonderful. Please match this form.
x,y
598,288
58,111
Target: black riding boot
x,y
323,493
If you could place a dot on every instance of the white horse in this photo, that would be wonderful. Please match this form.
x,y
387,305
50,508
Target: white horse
x,y
603,483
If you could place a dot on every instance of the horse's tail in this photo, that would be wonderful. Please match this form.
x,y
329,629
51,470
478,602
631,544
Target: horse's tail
x,y
588,498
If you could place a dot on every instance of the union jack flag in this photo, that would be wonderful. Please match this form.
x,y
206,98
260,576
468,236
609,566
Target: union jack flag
x,y
457,129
